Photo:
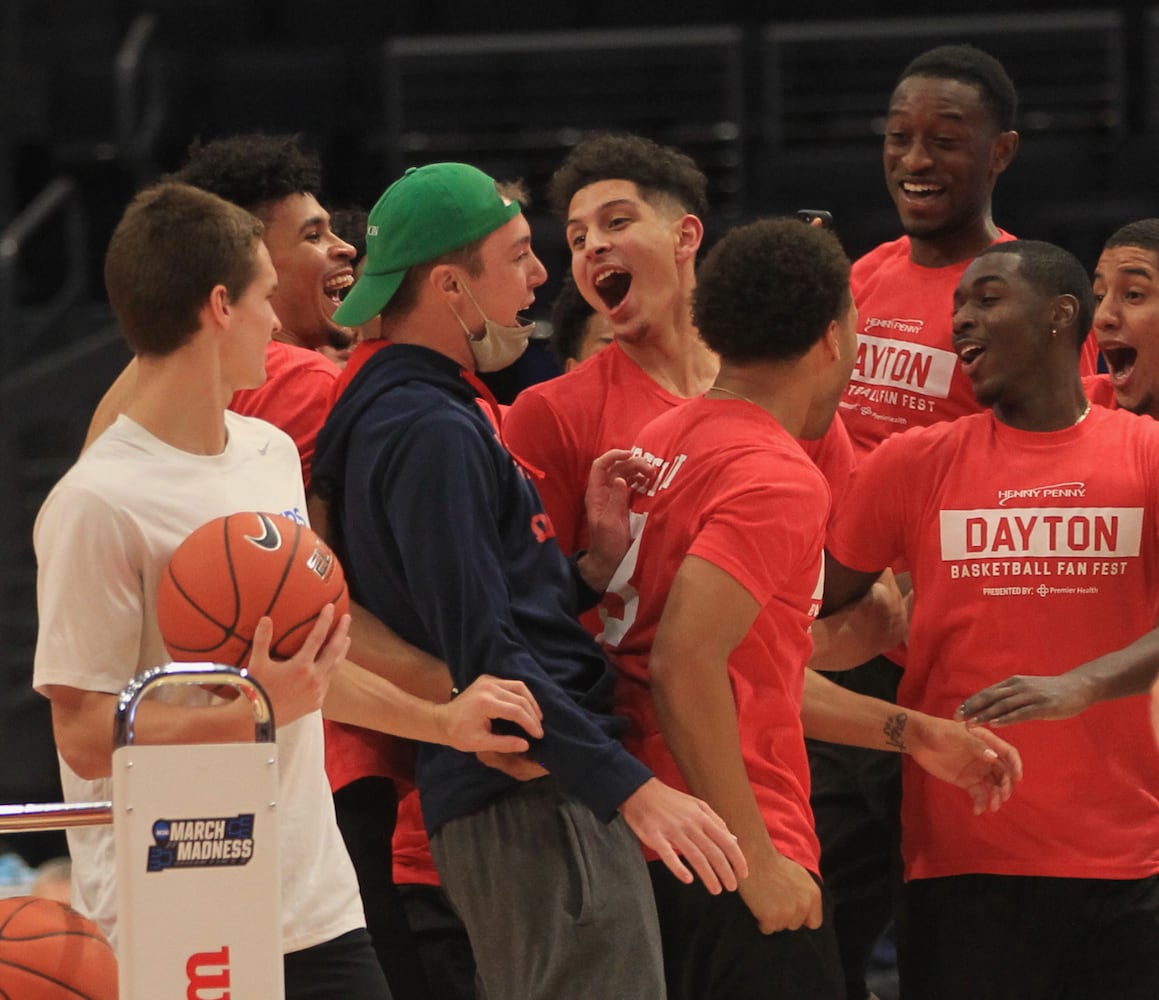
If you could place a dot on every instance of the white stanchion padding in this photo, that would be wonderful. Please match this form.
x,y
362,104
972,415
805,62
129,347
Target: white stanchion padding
x,y
198,876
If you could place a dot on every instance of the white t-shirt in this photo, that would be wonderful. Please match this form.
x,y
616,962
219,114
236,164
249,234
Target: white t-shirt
x,y
103,538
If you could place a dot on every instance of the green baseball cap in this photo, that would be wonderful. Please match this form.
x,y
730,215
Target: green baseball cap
x,y
427,212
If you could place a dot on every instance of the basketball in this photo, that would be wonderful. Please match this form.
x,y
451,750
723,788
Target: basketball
x,y
232,571
48,951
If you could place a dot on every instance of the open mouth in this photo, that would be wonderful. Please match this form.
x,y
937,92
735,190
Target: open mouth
x,y
612,286
969,355
335,288
1120,361
920,189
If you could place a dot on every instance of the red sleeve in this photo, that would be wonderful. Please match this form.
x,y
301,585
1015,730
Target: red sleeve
x,y
866,531
295,399
833,454
533,433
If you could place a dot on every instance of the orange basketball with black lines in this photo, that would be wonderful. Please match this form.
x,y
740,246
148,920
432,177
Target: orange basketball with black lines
x,y
48,951
234,570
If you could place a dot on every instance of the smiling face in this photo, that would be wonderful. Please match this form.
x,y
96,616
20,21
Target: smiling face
x,y
1001,327
626,254
1126,287
510,273
314,270
942,153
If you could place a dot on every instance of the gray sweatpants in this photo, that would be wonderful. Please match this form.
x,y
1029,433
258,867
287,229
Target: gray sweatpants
x,y
558,905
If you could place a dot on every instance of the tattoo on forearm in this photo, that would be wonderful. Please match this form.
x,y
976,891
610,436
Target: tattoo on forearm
x,y
894,730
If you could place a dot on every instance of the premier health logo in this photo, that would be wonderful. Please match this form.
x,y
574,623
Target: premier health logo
x,y
201,843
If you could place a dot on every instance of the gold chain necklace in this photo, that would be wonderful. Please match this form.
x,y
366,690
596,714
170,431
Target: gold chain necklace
x,y
737,395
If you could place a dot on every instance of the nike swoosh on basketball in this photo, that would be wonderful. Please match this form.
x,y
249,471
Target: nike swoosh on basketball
x,y
270,539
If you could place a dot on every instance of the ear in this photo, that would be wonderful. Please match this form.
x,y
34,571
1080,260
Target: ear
x,y
443,279
1064,312
216,312
831,341
1004,150
689,236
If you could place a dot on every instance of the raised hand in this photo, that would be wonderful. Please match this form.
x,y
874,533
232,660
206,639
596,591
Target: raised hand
x,y
612,476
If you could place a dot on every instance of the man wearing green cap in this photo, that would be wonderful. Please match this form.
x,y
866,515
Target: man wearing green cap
x,y
446,541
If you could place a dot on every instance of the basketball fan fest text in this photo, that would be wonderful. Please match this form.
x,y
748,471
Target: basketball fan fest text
x,y
1063,543
899,373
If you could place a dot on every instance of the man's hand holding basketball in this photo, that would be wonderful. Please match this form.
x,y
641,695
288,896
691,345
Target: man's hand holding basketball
x,y
297,686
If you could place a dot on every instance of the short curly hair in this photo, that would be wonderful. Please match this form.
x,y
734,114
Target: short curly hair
x,y
1052,271
769,290
656,170
253,170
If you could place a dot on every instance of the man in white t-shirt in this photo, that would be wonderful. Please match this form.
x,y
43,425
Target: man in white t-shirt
x,y
190,281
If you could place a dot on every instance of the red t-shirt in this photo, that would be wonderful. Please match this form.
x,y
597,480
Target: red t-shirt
x,y
1031,553
740,493
563,425
907,374
410,848
296,396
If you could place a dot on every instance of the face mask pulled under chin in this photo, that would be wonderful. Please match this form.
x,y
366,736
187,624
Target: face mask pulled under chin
x,y
497,346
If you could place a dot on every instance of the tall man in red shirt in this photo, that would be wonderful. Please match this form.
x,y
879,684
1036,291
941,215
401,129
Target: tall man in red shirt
x,y
1032,553
634,227
949,135
708,618
1126,326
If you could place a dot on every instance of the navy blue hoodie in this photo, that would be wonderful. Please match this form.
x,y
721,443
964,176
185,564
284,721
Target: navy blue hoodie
x,y
446,541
